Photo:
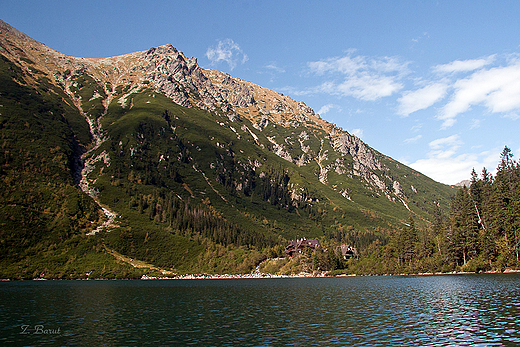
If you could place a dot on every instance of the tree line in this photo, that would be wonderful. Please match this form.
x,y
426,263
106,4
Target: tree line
x,y
481,231
485,219
187,219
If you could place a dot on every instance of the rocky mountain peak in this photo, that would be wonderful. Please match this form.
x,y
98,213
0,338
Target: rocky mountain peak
x,y
168,71
6,29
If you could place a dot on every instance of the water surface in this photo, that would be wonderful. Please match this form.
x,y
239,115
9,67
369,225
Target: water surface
x,y
363,311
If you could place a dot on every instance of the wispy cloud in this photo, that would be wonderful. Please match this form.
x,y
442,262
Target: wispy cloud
x,y
420,38
492,82
228,51
416,128
363,87
345,65
326,108
475,123
453,142
464,65
513,116
413,139
420,99
363,78
498,89
479,82
444,163
357,132
274,68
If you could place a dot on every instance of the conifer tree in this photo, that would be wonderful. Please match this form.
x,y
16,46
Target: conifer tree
x,y
438,229
464,227
485,193
500,199
409,241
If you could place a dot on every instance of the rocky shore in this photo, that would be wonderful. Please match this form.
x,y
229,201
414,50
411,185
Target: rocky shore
x,y
237,276
306,275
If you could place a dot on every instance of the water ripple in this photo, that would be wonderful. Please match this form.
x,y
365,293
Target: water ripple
x,y
476,310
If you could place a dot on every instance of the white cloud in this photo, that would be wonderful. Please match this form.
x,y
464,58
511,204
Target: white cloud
x,y
498,89
447,170
226,50
413,139
364,78
357,132
513,116
453,169
452,141
326,108
346,65
475,123
416,100
369,87
389,64
274,67
444,165
362,86
464,65
416,128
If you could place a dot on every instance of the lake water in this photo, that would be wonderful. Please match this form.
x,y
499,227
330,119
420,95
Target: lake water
x,y
363,311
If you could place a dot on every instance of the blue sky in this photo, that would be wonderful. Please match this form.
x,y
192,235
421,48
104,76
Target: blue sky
x,y
433,84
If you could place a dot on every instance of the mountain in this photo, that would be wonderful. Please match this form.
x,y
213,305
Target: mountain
x,y
463,183
149,156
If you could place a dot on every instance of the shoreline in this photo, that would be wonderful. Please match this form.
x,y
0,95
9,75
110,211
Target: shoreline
x,y
267,276
309,275
236,276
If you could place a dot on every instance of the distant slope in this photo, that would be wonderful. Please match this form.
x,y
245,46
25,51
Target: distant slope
x,y
155,158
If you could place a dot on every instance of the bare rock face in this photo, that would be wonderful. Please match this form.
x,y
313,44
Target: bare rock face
x,y
182,80
366,165
238,94
304,108
360,152
171,73
14,32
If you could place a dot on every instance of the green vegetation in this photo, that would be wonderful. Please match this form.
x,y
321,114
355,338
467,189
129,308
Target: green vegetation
x,y
481,232
40,207
194,191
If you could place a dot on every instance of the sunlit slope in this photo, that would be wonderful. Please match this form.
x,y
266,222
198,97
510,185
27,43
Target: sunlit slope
x,y
149,156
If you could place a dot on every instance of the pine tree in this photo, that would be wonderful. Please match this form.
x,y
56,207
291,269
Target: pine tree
x,y
464,227
438,229
500,199
408,242
485,193
475,190
513,212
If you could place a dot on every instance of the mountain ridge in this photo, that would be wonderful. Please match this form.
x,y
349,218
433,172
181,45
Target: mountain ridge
x,y
158,129
223,91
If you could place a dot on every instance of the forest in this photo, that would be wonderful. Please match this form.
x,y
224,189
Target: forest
x,y
480,233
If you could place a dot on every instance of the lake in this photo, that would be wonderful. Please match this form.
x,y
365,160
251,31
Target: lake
x,y
362,311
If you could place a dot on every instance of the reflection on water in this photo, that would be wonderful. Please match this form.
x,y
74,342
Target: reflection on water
x,y
372,311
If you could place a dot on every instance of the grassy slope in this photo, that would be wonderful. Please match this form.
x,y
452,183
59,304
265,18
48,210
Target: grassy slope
x,y
184,181
43,216
158,146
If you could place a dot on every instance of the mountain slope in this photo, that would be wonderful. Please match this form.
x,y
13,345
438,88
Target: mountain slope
x,y
186,168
